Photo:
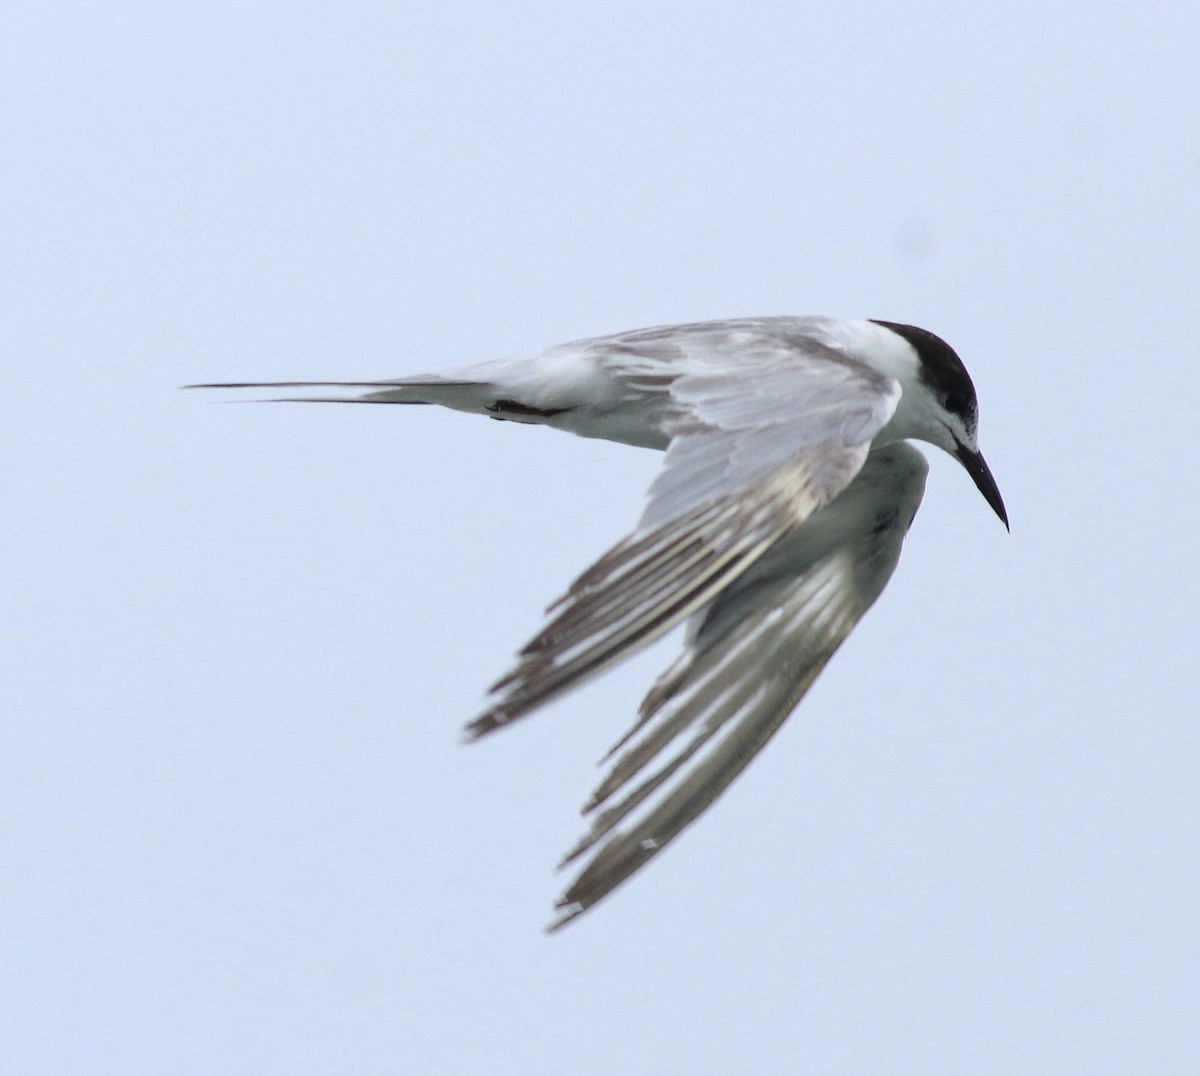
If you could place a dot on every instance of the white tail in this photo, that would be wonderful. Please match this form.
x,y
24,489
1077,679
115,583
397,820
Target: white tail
x,y
473,396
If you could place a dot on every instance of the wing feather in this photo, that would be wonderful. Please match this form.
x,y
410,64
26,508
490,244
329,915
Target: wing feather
x,y
750,657
750,398
648,584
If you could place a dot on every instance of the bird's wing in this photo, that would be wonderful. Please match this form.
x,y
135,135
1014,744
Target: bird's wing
x,y
749,396
766,429
748,659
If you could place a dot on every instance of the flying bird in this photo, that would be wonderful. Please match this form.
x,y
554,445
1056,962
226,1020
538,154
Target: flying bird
x,y
786,490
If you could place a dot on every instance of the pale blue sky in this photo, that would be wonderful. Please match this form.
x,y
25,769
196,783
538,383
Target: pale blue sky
x,y
239,834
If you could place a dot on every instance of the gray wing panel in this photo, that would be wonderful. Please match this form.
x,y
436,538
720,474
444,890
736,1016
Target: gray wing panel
x,y
751,397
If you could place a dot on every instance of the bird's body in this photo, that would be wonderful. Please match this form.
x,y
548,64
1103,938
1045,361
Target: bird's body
x,y
775,523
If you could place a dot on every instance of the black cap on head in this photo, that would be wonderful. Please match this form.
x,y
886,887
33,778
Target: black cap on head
x,y
942,370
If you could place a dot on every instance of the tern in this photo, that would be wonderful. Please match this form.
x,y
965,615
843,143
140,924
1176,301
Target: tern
x,y
786,490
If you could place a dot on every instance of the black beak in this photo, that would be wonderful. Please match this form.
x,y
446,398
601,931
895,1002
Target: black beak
x,y
978,470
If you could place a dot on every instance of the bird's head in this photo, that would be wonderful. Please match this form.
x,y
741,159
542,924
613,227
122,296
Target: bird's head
x,y
940,404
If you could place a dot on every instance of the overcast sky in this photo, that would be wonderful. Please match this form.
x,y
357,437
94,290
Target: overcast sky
x,y
239,833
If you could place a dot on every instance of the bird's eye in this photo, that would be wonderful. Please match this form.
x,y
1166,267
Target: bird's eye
x,y
955,403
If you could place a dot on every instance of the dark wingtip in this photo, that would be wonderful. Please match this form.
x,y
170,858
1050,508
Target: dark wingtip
x,y
481,726
568,912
